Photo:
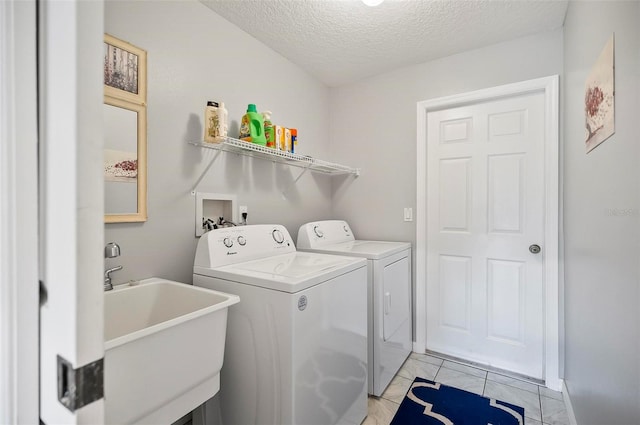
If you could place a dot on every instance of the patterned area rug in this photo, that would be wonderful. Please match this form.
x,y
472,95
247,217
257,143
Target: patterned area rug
x,y
428,402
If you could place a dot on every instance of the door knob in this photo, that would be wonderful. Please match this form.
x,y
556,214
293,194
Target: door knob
x,y
534,249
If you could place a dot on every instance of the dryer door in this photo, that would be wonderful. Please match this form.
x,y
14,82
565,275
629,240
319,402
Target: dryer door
x,y
396,296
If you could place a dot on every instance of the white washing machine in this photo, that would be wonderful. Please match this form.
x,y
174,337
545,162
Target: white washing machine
x,y
389,293
296,348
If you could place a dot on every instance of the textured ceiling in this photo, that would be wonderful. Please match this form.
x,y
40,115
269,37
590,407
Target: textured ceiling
x,y
340,41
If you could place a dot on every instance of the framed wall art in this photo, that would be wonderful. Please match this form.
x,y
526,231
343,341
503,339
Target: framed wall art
x,y
125,70
599,99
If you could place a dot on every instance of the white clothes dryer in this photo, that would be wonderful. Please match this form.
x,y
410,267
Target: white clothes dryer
x,y
388,296
296,348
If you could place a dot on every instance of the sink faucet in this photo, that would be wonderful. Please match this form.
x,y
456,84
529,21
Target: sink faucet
x,y
107,277
112,250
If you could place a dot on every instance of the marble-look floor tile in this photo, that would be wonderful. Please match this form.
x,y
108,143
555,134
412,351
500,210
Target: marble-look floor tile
x,y
380,411
426,358
546,392
414,368
397,389
461,380
522,398
469,370
523,385
529,421
554,412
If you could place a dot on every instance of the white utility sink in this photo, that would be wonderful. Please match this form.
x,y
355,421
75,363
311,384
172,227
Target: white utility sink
x,y
164,346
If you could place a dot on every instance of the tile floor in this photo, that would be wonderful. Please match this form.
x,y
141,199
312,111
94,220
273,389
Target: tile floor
x,y
541,405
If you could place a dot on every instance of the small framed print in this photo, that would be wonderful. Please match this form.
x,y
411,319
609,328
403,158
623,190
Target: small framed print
x,y
125,71
599,96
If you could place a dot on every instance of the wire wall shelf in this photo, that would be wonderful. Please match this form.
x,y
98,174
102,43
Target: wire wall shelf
x,y
241,147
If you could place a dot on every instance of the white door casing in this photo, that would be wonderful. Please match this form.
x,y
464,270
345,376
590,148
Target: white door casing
x,y
496,242
71,201
18,213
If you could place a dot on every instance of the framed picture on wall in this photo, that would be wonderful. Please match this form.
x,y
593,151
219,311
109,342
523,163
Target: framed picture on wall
x,y
125,70
599,99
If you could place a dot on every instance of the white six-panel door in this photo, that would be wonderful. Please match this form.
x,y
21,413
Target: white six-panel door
x,y
485,208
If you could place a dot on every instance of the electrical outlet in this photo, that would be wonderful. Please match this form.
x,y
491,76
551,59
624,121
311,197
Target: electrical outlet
x,y
243,209
408,214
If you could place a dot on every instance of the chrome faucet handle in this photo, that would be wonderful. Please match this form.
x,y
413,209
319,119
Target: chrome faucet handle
x,y
107,277
112,250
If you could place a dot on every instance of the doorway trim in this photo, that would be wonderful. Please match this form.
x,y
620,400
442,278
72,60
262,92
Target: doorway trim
x,y
19,291
550,87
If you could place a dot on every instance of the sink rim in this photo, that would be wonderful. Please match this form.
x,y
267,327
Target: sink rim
x,y
231,299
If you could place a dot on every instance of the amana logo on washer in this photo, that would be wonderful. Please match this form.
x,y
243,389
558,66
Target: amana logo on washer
x,y
302,302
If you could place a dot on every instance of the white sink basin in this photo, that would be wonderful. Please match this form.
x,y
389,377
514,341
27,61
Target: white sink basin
x,y
164,347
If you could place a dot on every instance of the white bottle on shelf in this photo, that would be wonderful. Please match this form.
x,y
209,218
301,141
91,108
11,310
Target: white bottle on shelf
x,y
223,116
215,122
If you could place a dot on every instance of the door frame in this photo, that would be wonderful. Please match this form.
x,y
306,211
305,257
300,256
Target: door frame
x,y
19,292
551,315
71,218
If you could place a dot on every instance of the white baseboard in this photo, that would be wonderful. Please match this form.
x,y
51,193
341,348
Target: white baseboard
x,y
568,405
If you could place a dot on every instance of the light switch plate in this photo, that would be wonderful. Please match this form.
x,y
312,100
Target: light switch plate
x,y
408,214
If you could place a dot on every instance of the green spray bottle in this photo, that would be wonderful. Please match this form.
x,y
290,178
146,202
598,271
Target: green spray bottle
x,y
252,126
269,130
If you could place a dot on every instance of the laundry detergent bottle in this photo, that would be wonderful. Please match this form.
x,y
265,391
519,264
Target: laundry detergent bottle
x,y
252,126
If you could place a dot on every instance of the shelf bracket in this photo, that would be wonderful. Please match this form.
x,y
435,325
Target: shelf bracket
x,y
206,170
305,169
301,174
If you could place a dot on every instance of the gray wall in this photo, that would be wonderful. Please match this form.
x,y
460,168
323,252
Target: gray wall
x,y
601,222
373,126
194,56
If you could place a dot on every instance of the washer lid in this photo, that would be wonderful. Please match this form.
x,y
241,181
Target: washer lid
x,y
290,272
372,250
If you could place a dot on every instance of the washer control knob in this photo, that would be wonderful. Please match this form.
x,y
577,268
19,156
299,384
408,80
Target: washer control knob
x,y
242,241
277,236
227,242
346,229
319,233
